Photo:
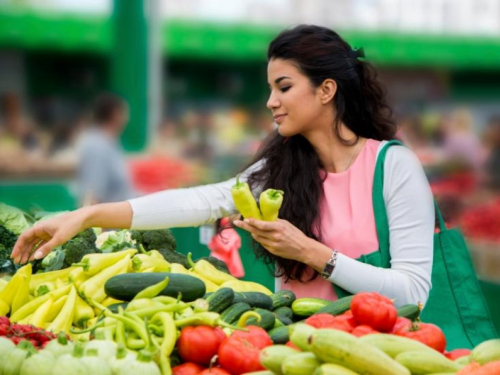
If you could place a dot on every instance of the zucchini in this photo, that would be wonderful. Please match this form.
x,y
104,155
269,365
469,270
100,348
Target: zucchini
x,y
305,307
220,300
331,369
267,319
411,312
300,363
394,345
284,311
426,362
273,356
487,351
126,286
257,299
233,313
282,298
342,348
337,307
279,335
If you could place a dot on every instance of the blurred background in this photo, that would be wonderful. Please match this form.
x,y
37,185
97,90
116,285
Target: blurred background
x,y
192,74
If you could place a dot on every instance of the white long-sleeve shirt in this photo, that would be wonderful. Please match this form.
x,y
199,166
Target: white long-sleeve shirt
x,y
410,213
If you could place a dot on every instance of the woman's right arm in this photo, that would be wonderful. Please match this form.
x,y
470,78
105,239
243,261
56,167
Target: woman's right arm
x,y
166,209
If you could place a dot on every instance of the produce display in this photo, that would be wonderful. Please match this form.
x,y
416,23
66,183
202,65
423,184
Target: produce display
x,y
130,304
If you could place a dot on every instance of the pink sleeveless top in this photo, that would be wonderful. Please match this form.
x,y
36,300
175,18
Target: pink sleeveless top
x,y
347,219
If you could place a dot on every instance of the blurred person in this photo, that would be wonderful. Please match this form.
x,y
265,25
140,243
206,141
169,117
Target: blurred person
x,y
16,128
492,164
103,175
460,144
333,119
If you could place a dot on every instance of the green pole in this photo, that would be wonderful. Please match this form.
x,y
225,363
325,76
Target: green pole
x,y
129,68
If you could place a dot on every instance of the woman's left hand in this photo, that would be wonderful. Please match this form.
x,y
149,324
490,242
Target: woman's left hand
x,y
279,237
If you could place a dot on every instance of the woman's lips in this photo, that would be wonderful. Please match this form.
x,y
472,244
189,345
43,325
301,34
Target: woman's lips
x,y
278,119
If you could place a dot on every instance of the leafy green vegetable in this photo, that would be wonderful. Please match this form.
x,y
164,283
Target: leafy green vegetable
x,y
111,241
54,260
13,219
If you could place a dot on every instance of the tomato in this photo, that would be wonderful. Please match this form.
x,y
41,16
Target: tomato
x,y
363,330
457,353
187,368
292,345
320,320
342,322
199,344
374,310
215,371
427,333
401,323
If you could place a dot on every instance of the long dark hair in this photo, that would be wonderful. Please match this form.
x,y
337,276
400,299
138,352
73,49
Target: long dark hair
x,y
291,164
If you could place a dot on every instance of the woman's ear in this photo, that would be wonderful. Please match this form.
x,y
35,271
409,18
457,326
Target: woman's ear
x,y
327,91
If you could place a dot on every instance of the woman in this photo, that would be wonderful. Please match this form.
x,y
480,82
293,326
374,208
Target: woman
x,y
332,120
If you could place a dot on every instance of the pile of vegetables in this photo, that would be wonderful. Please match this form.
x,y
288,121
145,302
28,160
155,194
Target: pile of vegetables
x,y
16,333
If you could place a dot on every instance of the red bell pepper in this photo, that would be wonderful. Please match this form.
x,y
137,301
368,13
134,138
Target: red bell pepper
x,y
187,368
200,344
374,310
363,330
427,333
239,353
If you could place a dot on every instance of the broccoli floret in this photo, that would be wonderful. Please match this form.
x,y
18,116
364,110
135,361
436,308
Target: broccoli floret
x,y
175,257
7,241
217,263
160,239
79,246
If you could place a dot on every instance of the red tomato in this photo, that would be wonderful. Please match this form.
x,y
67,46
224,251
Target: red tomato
x,y
363,330
187,369
401,323
457,353
292,345
428,334
239,353
320,320
374,310
199,344
215,371
342,322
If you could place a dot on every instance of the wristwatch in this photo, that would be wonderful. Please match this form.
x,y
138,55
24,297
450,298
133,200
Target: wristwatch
x,y
330,265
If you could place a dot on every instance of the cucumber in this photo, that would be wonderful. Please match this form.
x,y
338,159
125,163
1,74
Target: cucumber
x,y
284,311
257,299
487,351
337,307
233,313
279,335
305,307
238,297
267,319
283,298
300,364
272,357
342,348
277,323
411,312
126,286
393,345
420,362
331,369
220,300
284,320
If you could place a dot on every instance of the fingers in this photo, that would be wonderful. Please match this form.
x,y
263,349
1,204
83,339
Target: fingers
x,y
23,258
43,249
252,229
262,225
24,245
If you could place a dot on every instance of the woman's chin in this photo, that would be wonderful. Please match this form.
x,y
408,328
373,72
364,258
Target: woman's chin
x,y
284,132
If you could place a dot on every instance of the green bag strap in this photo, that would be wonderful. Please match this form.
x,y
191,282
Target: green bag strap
x,y
379,209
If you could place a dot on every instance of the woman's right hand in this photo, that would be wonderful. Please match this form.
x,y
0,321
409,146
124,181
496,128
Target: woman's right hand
x,y
47,234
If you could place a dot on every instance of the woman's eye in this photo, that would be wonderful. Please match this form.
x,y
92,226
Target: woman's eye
x,y
285,89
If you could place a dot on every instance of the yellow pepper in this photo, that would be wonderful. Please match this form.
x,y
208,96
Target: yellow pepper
x,y
110,301
52,276
93,288
22,294
39,317
31,306
56,308
83,312
142,262
65,317
244,200
94,263
270,204
12,289
4,308
208,271
3,284
246,286
77,277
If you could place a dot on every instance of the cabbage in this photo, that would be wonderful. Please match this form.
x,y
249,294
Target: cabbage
x,y
13,219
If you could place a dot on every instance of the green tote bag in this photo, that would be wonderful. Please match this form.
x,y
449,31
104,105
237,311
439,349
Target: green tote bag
x,y
456,303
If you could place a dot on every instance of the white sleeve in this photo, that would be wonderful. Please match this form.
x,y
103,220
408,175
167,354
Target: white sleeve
x,y
410,212
187,207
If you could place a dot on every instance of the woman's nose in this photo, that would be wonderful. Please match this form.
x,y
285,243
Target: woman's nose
x,y
272,102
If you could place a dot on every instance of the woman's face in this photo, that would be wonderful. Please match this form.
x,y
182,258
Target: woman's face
x,y
295,103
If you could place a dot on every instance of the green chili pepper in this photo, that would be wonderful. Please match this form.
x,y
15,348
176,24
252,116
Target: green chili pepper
x,y
165,299
244,200
211,319
169,333
120,329
242,321
135,344
270,204
151,311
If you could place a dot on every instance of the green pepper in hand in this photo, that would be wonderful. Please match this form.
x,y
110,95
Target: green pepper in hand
x,y
244,200
270,204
